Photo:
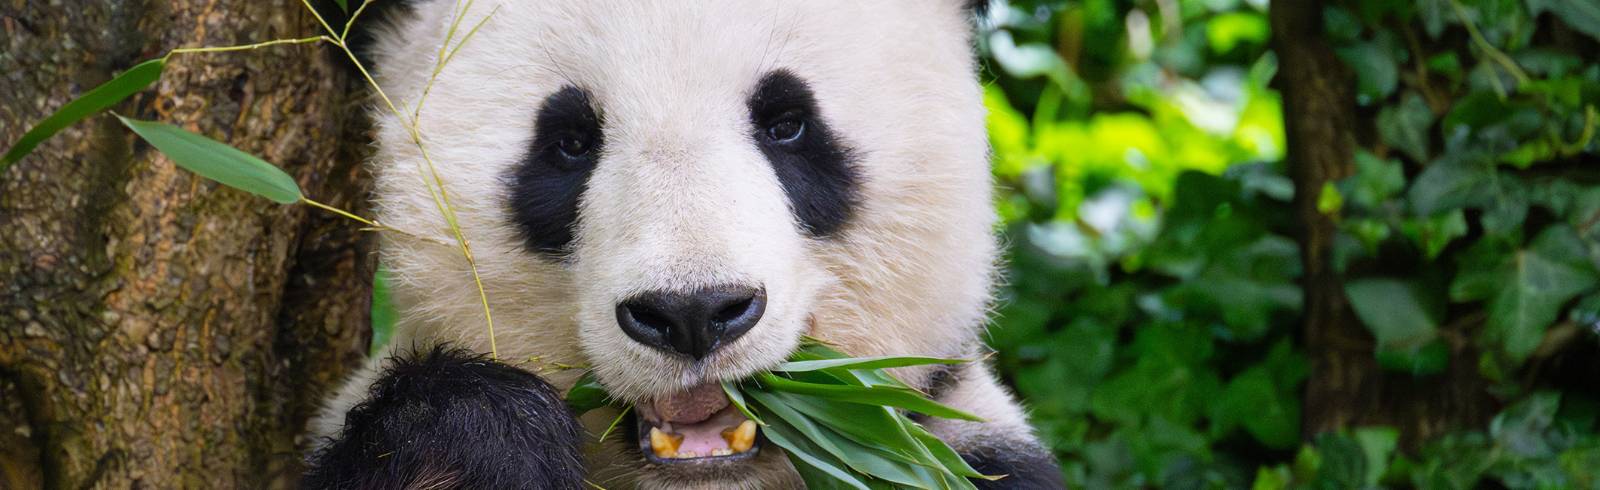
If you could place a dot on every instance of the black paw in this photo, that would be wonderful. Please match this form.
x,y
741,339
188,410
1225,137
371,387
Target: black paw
x,y
446,419
1026,466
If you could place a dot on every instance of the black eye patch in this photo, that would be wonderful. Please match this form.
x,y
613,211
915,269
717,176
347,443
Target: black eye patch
x,y
815,167
546,184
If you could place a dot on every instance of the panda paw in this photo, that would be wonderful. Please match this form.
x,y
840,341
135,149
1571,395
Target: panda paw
x,y
448,418
1025,464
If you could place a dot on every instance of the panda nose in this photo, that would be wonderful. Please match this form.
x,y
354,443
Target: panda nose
x,y
693,323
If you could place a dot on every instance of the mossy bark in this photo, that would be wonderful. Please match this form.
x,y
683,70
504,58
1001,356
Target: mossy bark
x,y
156,329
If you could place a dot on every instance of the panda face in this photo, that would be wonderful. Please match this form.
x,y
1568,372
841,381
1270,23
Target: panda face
x,y
675,192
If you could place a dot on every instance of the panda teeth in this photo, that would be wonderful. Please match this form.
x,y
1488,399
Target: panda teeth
x,y
741,438
663,444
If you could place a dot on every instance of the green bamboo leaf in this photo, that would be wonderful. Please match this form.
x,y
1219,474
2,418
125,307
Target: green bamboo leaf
x,y
865,424
944,454
95,100
737,400
872,395
803,452
587,394
863,459
217,161
879,362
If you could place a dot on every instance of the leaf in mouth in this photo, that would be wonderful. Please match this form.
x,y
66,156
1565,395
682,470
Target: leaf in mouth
x,y
841,420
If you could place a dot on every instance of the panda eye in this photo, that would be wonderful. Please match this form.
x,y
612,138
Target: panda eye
x,y
574,147
786,130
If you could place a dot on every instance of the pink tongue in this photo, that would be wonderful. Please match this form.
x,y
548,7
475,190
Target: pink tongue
x,y
693,406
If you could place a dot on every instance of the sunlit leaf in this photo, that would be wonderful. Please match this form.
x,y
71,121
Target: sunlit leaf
x,y
217,161
95,100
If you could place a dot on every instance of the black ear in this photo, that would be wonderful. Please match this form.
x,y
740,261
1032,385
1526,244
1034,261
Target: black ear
x,y
363,32
451,419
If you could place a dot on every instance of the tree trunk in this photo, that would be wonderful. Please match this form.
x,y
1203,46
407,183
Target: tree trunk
x,y
156,329
1347,388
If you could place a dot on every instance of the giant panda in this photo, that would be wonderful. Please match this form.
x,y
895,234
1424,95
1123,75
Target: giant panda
x,y
671,193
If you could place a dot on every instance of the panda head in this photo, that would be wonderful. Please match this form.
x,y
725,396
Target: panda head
x,y
676,192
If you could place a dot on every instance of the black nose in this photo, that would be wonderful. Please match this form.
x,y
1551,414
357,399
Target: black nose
x,y
693,323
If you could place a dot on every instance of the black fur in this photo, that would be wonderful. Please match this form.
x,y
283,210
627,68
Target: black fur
x,y
1027,466
547,183
978,7
816,169
450,419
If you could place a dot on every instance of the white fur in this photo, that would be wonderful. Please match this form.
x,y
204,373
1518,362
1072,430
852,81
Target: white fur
x,y
681,197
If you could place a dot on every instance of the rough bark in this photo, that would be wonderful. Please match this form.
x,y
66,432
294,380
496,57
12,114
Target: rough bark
x,y
1347,388
156,329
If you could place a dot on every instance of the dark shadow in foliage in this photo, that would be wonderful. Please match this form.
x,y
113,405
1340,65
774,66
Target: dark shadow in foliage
x,y
448,418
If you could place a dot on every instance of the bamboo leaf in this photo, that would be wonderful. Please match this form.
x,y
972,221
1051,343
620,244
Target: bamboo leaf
x,y
946,456
586,394
737,399
880,362
860,458
873,395
95,100
804,452
865,424
217,161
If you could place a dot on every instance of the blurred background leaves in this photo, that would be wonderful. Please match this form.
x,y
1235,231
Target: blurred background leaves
x,y
1152,314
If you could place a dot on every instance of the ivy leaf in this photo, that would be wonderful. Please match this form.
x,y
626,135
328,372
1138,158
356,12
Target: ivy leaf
x,y
1535,283
1268,413
1340,25
1582,15
1375,69
1435,232
217,161
1404,318
1434,14
92,102
1587,312
1456,180
1344,463
1395,311
1378,444
1405,126
1522,427
1374,182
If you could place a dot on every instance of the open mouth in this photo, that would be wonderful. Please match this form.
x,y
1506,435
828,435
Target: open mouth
x,y
697,426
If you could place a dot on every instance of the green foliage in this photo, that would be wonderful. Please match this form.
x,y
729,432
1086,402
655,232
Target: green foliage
x,y
1150,316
